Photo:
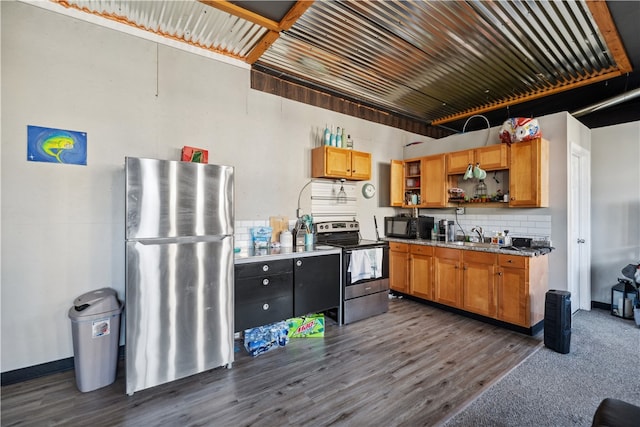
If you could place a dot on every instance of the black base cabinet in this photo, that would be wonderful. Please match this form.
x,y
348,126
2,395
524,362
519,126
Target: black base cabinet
x,y
271,291
263,293
316,284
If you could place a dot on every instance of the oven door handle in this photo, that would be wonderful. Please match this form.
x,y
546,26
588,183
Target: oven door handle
x,y
348,251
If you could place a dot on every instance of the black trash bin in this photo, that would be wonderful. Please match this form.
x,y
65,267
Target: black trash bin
x,y
557,321
95,325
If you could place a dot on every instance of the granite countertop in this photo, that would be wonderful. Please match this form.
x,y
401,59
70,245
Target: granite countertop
x,y
528,252
247,255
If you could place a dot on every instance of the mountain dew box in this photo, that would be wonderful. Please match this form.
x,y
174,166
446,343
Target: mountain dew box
x,y
311,326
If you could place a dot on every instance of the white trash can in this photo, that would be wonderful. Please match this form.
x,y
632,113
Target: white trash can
x,y
95,325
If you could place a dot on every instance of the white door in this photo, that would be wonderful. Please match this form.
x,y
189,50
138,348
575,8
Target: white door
x,y
579,229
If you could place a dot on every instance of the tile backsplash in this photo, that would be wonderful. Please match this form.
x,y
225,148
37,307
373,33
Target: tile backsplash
x,y
535,226
243,236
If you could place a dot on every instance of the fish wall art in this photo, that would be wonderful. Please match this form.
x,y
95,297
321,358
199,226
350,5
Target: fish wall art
x,y
56,145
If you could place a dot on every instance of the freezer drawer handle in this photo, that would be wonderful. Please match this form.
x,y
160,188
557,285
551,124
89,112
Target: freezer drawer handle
x,y
265,282
265,307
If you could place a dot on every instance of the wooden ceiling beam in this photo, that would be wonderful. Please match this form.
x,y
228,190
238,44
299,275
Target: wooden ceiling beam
x,y
245,14
274,28
295,13
523,98
601,14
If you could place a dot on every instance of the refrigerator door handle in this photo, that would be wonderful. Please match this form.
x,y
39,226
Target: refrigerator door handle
x,y
179,240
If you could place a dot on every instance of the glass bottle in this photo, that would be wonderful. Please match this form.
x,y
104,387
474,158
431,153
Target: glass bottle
x,y
327,135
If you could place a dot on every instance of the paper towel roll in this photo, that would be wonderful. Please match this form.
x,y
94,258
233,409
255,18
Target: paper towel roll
x,y
628,307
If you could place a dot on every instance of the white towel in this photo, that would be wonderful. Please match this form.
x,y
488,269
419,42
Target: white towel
x,y
365,264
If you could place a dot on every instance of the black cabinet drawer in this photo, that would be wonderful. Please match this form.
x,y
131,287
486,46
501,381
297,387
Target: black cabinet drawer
x,y
263,268
262,287
258,313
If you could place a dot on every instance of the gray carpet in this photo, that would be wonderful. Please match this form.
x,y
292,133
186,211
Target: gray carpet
x,y
553,389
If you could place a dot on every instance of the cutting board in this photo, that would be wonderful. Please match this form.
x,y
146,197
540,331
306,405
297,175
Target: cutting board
x,y
278,224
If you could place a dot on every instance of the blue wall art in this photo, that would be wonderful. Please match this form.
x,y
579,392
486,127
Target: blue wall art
x,y
56,145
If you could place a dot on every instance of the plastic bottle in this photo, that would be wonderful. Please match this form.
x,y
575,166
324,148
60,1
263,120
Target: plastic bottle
x,y
339,137
333,137
327,135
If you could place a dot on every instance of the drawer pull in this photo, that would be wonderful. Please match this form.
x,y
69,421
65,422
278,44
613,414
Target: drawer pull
x,y
265,282
265,306
265,267
509,260
299,262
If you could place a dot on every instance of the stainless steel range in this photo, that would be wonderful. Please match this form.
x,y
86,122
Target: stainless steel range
x,y
365,269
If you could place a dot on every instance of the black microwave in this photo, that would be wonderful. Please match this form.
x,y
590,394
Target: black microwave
x,y
407,227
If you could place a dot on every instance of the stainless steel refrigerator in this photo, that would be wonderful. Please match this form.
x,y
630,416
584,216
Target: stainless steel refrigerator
x,y
179,270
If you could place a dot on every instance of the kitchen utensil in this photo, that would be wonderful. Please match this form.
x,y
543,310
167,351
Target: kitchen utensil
x,y
278,224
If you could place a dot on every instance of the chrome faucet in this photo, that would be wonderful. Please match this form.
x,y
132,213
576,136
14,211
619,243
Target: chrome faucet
x,y
480,232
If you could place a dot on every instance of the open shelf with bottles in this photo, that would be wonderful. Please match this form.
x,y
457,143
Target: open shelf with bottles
x,y
412,178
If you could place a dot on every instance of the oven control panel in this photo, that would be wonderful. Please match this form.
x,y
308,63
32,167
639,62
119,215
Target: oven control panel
x,y
336,226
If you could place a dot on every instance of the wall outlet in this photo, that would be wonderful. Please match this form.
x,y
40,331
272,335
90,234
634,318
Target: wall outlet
x,y
460,211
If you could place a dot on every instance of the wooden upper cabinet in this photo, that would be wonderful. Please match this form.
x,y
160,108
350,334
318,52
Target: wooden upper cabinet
x,y
458,161
424,177
360,165
396,186
529,174
434,182
333,162
490,157
493,157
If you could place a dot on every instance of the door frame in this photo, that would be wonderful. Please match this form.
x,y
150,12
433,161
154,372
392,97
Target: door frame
x,y
580,228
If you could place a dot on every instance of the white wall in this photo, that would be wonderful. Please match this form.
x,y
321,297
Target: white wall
x,y
615,201
62,225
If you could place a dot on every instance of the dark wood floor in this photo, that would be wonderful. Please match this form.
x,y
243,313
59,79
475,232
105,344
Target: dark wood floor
x,y
413,366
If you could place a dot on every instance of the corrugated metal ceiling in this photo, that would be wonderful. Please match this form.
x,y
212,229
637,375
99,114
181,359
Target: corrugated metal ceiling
x,y
429,60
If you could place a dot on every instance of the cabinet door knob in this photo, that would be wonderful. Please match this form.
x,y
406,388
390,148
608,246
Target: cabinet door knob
x,y
299,262
499,273
265,306
265,281
265,267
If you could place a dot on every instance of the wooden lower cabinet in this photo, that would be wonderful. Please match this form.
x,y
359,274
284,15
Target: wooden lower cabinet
x,y
399,266
447,283
421,271
479,282
509,288
521,287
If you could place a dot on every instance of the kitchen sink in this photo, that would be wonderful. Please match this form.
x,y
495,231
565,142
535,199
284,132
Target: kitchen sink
x,y
474,244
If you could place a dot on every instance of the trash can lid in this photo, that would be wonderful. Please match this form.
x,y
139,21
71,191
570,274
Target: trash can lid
x,y
95,302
